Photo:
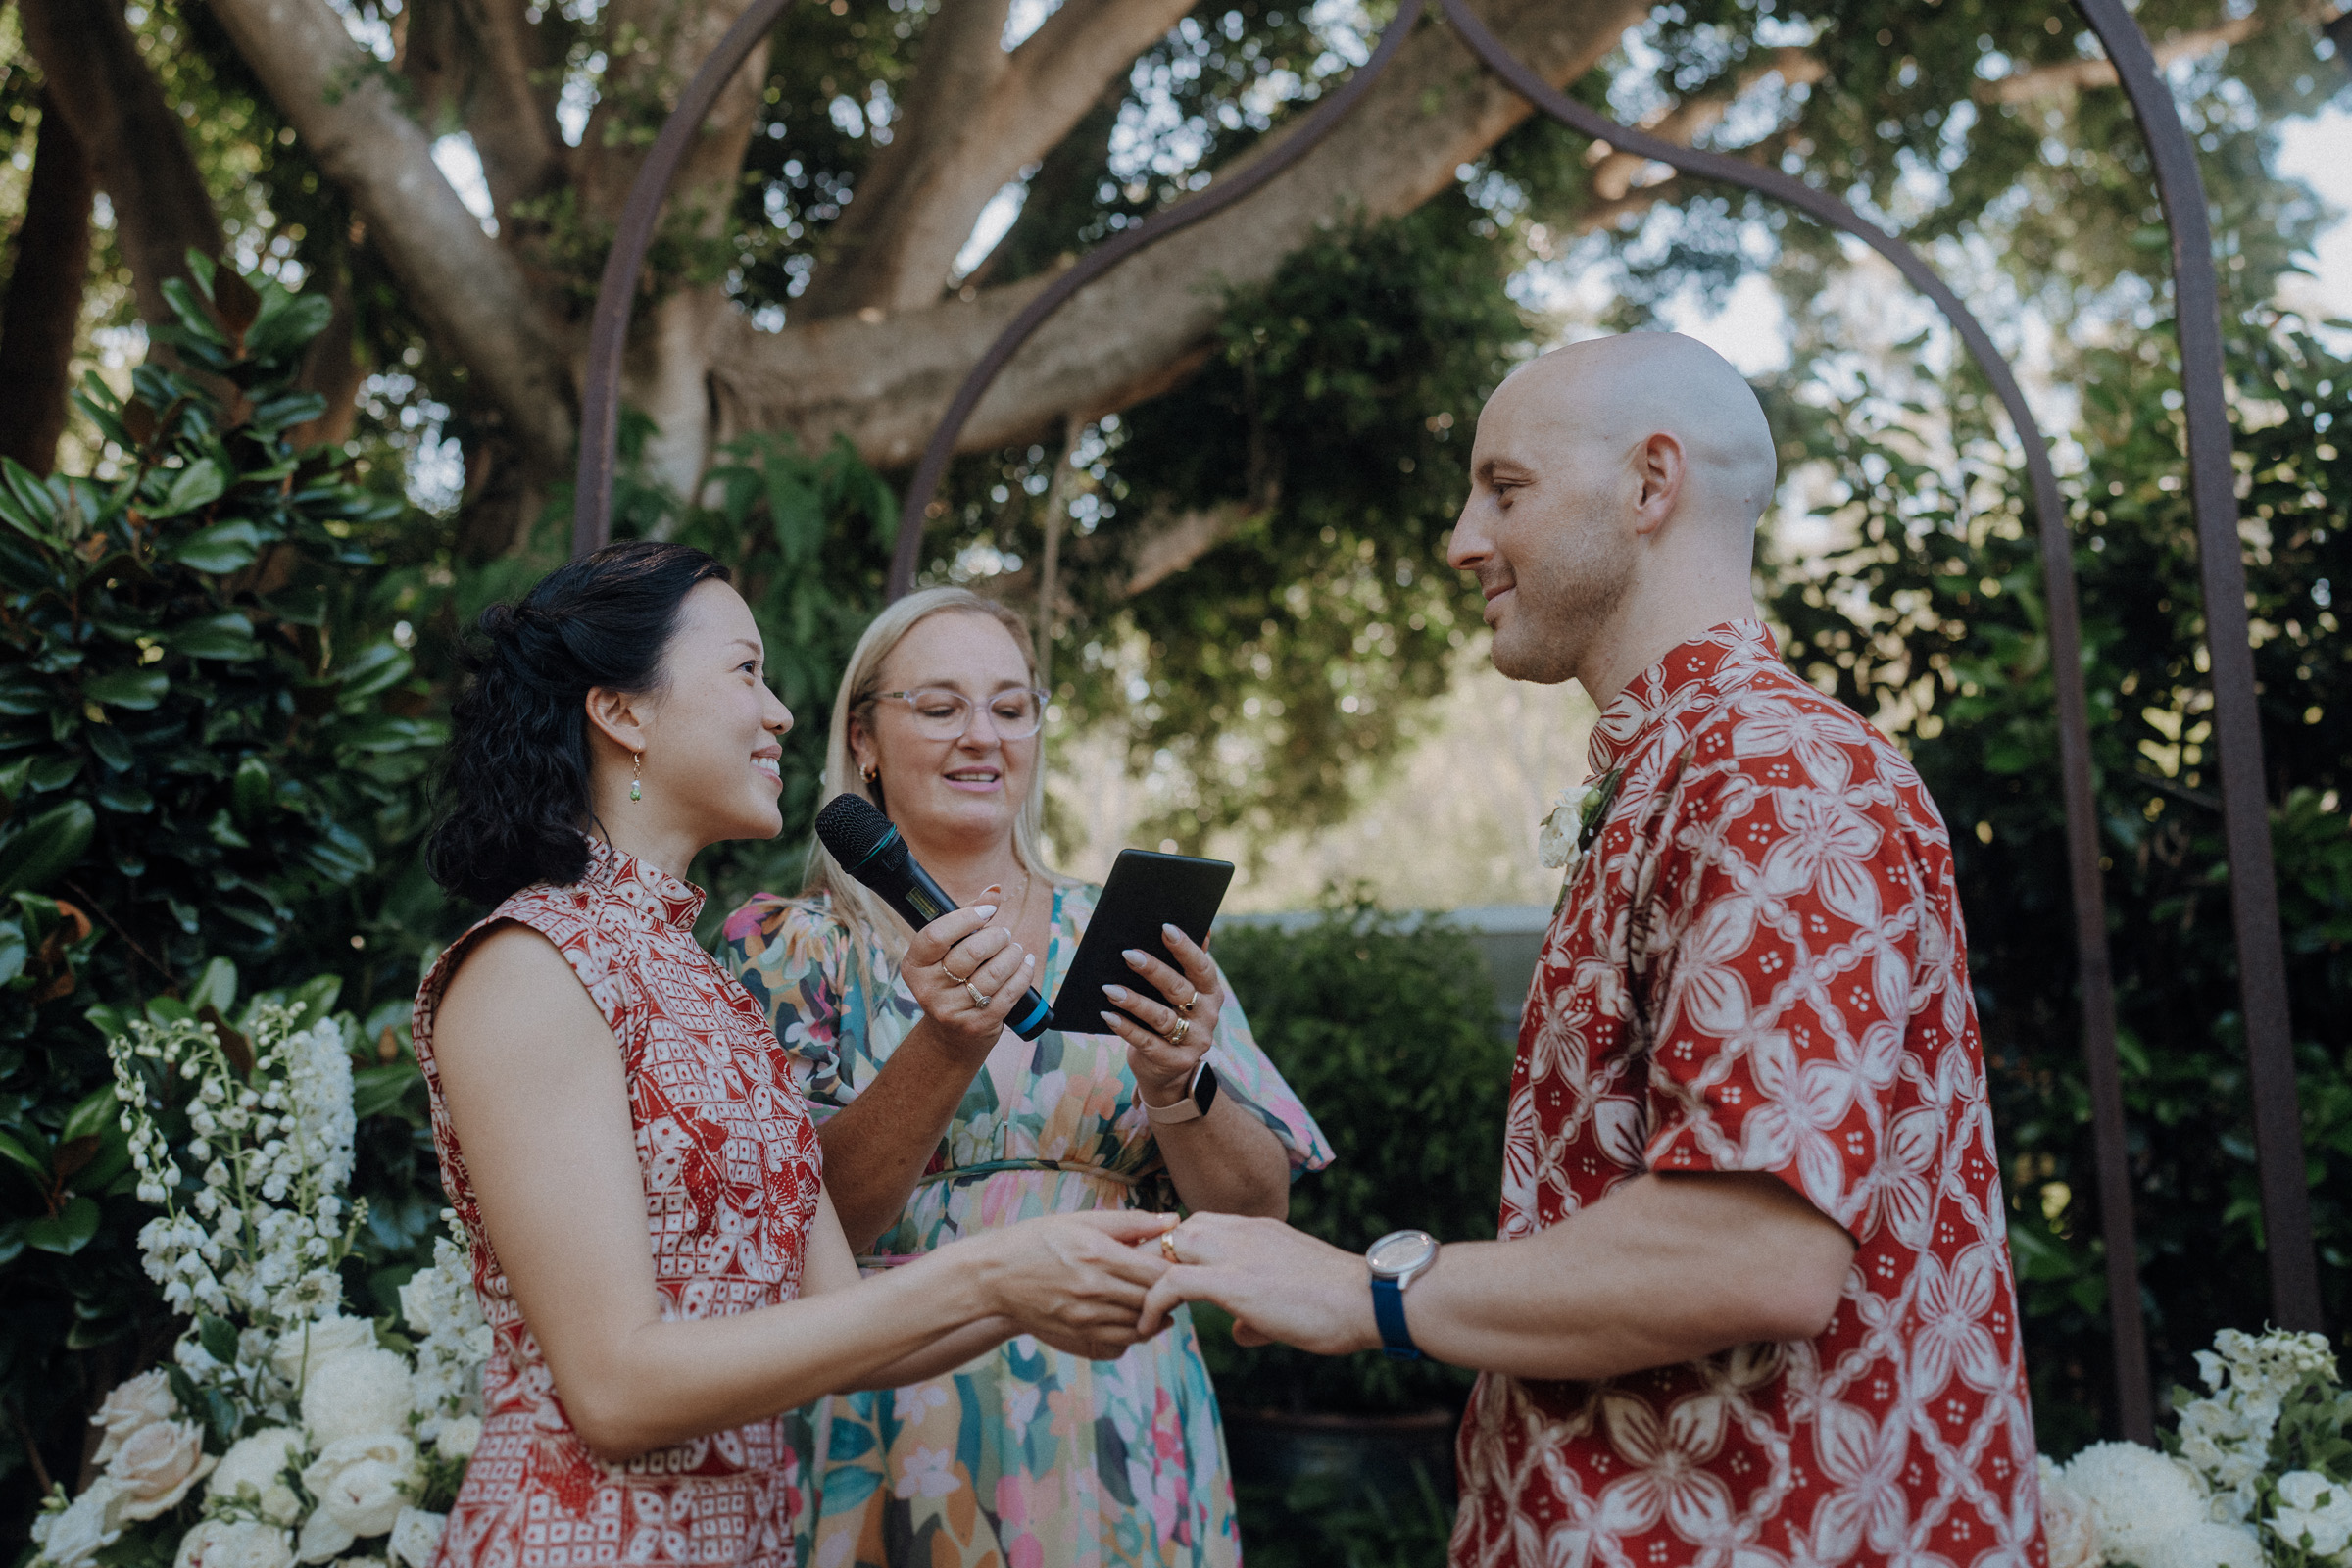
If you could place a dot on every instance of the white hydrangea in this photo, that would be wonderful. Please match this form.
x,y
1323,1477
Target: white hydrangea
x,y
360,1394
2140,1498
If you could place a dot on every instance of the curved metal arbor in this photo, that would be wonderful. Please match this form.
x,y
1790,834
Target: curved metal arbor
x,y
2262,970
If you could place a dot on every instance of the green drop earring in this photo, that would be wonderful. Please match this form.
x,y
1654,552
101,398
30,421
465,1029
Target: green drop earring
x,y
637,779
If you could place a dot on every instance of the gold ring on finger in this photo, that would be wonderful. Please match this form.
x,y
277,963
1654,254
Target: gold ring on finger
x,y
978,1001
1184,1026
959,979
1167,1245
1185,1006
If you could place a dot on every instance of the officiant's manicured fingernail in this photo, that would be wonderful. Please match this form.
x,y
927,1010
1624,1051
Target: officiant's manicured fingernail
x,y
984,911
1135,958
1113,1019
1119,993
1171,933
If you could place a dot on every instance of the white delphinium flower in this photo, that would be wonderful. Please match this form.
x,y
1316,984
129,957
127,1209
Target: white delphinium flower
x,y
453,1341
2314,1513
251,1479
2226,1437
2141,1497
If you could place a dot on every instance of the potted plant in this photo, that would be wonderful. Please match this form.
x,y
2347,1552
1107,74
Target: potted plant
x,y
1385,1025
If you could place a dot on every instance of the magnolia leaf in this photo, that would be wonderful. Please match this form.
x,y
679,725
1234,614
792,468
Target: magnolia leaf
x,y
140,687
227,637
219,1337
200,483
239,306
66,1233
225,546
45,847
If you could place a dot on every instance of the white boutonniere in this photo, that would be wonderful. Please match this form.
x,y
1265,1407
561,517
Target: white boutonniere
x,y
1574,821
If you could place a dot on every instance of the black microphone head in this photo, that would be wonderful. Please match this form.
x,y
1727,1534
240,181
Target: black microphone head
x,y
851,829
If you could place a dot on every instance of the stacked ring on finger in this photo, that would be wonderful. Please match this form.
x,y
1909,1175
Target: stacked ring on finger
x,y
1184,1026
974,991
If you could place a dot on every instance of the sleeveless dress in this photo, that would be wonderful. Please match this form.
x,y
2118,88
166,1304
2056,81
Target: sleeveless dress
x,y
731,1170
1023,1457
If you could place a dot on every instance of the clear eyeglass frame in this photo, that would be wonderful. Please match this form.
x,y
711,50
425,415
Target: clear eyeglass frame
x,y
952,713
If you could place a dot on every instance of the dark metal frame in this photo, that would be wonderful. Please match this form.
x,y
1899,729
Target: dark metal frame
x,y
2254,907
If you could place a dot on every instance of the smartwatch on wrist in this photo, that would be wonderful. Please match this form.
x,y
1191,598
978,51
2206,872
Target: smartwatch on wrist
x,y
1198,1095
1396,1259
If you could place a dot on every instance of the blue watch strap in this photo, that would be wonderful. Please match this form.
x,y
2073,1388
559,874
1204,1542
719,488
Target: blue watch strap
x,y
1388,1311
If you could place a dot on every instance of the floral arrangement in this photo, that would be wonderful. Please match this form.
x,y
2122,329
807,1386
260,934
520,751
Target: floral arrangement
x,y
283,1431
2259,1474
1574,821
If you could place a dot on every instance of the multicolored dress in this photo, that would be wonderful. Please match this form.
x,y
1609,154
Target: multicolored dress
x,y
1025,1457
732,1174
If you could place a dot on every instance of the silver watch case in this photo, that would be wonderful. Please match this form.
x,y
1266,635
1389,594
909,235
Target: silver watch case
x,y
1402,1255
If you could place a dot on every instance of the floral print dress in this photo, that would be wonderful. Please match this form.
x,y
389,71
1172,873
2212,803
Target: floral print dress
x,y
1025,1457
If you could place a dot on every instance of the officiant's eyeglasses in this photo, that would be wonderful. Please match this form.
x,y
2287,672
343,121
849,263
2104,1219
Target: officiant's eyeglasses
x,y
941,714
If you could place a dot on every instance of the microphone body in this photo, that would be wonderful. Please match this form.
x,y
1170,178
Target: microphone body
x,y
886,865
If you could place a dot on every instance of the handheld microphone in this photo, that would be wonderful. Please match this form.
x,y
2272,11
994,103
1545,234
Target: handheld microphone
x,y
868,847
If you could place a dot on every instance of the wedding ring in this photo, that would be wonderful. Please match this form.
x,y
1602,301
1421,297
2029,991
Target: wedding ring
x,y
1187,1007
1167,1245
959,979
978,1001
1184,1026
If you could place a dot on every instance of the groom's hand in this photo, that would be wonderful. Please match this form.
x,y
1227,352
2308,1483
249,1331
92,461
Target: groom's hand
x,y
1278,1282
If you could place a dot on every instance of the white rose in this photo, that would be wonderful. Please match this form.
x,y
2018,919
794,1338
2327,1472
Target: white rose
x,y
361,1483
309,1346
131,1405
157,1465
2069,1522
234,1544
1556,839
2143,1498
88,1523
360,1394
260,1463
460,1437
2204,1544
415,1536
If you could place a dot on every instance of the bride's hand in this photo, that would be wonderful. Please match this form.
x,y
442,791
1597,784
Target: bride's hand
x,y
967,974
1075,1281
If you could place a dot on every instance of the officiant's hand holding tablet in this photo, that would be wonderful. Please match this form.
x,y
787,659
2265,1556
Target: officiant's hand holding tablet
x,y
1144,974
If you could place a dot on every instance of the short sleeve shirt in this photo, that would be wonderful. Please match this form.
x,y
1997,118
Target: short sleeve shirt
x,y
1758,965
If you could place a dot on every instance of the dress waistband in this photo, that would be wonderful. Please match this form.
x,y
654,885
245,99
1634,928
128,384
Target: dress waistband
x,y
993,1167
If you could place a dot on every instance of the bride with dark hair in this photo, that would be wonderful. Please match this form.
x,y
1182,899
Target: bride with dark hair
x,y
617,1128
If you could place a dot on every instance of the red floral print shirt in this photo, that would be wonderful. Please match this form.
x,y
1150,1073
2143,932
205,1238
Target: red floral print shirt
x,y
1760,966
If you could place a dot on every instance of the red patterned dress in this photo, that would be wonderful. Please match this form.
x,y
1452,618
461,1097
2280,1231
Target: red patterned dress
x,y
731,1180
1760,966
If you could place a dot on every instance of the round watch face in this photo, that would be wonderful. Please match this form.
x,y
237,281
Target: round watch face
x,y
1400,1253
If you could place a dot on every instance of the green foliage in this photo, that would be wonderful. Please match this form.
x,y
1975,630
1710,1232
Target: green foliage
x,y
1342,1522
1928,615
1385,1030
207,765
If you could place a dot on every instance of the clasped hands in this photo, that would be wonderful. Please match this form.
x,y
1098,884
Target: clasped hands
x,y
1094,1284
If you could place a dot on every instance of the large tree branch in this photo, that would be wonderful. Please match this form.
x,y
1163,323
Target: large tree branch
x,y
885,382
2069,77
512,120
955,149
468,290
1614,174
43,310
132,138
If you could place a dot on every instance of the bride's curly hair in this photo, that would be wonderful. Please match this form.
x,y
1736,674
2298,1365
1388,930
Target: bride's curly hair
x,y
514,786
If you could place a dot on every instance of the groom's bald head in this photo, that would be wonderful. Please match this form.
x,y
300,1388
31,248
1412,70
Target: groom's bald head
x,y
1607,466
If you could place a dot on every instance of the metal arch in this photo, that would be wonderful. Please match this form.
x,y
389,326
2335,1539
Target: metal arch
x,y
2135,1400
2293,1268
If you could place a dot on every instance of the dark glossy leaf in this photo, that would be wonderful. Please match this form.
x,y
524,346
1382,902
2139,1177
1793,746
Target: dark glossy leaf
x,y
45,847
68,1232
237,304
219,1337
379,667
21,694
227,636
386,733
93,1115
33,1164
110,744
121,794
376,1090
225,546
216,987
254,791
140,687
199,484
12,951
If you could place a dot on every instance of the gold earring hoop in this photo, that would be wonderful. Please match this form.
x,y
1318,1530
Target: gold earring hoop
x,y
637,779
869,772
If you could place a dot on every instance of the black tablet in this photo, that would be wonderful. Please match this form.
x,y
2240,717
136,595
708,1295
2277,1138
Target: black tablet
x,y
1146,891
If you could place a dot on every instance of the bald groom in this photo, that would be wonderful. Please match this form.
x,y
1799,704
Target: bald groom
x,y
1751,1302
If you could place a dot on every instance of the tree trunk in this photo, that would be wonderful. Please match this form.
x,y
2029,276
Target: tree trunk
x,y
134,139
43,310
